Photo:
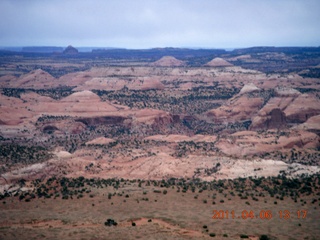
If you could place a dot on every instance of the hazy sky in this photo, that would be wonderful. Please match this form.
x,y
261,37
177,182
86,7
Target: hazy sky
x,y
161,23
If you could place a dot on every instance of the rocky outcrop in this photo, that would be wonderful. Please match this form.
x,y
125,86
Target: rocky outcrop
x,y
49,129
37,79
100,141
286,92
288,106
249,88
302,108
168,61
312,125
67,126
13,111
250,143
240,108
218,62
275,119
83,96
156,119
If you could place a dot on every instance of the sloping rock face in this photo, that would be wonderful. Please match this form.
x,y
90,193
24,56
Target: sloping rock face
x,y
168,61
311,125
13,111
250,143
287,92
241,108
6,80
302,108
249,88
84,96
37,79
219,62
100,141
146,121
288,106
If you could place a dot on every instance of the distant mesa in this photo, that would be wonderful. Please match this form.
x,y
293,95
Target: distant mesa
x,y
218,62
48,49
168,61
70,50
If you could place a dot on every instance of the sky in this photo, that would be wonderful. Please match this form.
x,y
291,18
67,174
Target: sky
x,y
141,24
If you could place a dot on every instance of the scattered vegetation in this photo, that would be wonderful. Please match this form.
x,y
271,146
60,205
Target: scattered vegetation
x,y
69,188
14,154
195,101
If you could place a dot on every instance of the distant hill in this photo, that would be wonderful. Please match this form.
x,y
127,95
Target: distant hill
x,y
218,62
42,49
70,50
168,61
275,49
156,53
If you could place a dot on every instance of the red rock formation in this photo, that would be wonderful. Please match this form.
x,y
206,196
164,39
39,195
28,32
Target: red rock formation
x,y
218,62
240,108
302,108
275,119
312,125
100,141
37,79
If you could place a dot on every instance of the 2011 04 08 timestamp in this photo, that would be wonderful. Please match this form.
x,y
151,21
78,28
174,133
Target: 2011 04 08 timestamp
x,y
262,214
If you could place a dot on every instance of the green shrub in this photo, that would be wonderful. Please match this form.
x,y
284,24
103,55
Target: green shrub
x,y
264,237
244,236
